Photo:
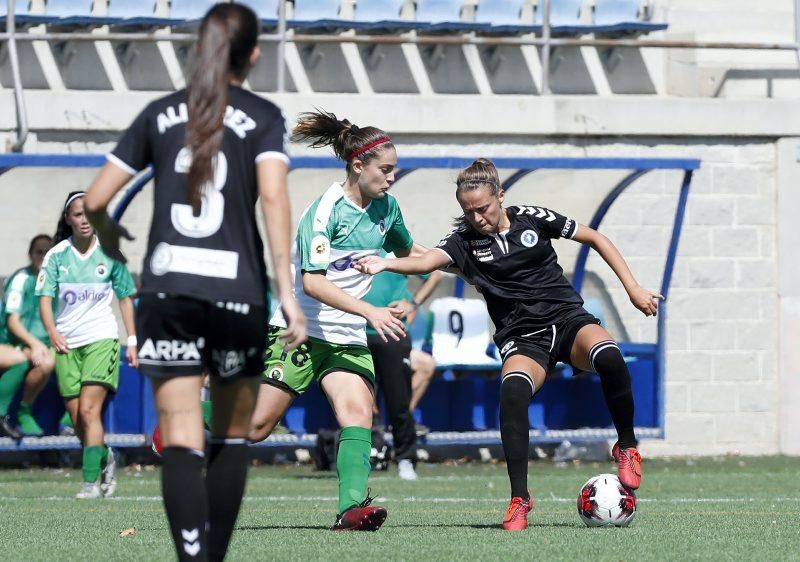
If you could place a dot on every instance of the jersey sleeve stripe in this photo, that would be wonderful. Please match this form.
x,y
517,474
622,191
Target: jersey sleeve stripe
x,y
446,254
273,155
120,164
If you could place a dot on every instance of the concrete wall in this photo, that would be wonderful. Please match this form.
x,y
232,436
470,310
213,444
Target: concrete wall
x,y
725,358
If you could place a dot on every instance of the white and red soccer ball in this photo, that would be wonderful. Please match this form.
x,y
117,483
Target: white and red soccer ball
x,y
604,502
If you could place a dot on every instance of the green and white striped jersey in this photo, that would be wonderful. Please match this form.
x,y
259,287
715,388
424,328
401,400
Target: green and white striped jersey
x,y
333,233
83,284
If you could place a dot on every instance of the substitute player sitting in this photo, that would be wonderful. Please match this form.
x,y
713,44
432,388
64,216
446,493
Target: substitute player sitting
x,y
506,253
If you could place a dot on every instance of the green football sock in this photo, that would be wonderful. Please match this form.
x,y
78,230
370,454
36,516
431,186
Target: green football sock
x,y
27,423
352,465
66,420
207,413
92,457
10,382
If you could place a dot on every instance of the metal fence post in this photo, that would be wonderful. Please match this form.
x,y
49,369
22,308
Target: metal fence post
x,y
546,49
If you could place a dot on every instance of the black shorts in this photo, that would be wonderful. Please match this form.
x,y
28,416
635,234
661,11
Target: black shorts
x,y
182,336
392,358
546,344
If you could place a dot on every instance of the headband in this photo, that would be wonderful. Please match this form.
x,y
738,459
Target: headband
x,y
368,147
73,198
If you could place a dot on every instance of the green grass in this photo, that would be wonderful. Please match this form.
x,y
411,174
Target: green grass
x,y
723,509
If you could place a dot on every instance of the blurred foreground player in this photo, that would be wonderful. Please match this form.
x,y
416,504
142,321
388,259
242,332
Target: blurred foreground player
x,y
215,148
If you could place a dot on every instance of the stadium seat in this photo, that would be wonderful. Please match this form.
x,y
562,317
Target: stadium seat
x,y
266,10
565,18
505,17
621,17
444,16
189,10
383,16
461,334
319,16
135,13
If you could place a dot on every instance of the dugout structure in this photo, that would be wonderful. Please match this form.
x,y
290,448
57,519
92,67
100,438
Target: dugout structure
x,y
458,409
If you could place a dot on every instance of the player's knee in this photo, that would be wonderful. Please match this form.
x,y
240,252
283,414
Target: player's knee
x,y
89,412
607,361
47,366
605,357
516,390
261,429
354,413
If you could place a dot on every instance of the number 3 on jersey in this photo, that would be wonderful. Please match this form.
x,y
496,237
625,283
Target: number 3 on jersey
x,y
212,208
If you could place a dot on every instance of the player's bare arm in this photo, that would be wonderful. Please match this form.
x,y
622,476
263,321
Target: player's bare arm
x,y
384,320
643,299
277,221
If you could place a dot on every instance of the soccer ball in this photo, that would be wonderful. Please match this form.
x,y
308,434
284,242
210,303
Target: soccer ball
x,y
604,502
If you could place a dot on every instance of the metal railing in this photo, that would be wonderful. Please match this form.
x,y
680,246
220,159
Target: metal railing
x,y
547,42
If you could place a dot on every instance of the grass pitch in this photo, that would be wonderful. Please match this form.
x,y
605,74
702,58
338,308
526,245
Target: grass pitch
x,y
721,509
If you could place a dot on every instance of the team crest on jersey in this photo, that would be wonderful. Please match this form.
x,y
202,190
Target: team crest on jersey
x,y
382,226
529,238
276,373
509,346
320,249
101,270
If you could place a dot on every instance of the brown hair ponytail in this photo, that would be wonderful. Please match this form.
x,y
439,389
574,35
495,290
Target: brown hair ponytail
x,y
321,128
481,173
228,35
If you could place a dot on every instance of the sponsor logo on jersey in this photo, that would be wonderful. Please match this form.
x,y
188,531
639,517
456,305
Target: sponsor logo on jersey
x,y
14,300
276,373
342,264
40,280
101,270
382,226
161,259
567,227
529,238
483,254
481,242
171,350
320,249
86,295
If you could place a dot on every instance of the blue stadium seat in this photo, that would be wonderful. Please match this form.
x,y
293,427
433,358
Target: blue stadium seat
x,y
319,16
565,18
444,16
382,16
189,10
621,17
136,13
505,17
266,10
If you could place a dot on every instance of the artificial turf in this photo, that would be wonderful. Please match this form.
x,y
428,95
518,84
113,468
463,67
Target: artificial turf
x,y
732,508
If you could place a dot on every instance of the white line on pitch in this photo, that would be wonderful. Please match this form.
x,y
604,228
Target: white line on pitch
x,y
412,499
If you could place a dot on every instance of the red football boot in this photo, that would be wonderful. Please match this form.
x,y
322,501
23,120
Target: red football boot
x,y
629,470
516,518
362,517
155,442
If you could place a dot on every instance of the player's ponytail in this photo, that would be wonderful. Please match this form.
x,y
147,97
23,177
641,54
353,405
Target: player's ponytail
x,y
228,35
481,173
349,142
64,230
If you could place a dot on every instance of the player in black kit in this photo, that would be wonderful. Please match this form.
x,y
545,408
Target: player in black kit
x,y
215,148
506,253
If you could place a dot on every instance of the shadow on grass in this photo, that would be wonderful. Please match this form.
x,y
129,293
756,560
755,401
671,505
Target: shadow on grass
x,y
283,527
405,526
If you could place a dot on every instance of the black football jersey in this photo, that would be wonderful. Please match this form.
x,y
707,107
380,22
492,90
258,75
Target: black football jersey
x,y
517,271
217,254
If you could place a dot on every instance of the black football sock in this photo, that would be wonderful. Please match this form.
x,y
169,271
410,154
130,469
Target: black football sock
x,y
225,482
516,392
607,361
185,501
